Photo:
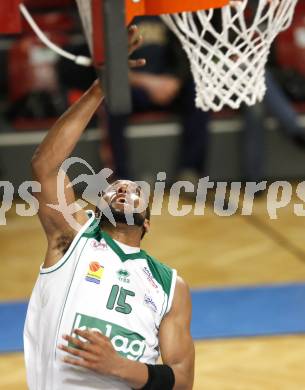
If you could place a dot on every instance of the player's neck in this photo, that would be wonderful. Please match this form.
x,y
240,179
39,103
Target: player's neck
x,y
126,234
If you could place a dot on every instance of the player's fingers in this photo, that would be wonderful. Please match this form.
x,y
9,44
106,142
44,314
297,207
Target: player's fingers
x,y
133,31
86,346
99,335
79,353
133,46
137,63
79,362
88,335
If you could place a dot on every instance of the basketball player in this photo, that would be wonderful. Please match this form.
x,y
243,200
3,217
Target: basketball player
x,y
102,309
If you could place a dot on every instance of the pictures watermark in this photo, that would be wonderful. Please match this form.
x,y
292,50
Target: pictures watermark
x,y
229,198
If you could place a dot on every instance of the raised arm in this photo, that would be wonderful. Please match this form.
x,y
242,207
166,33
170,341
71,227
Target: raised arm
x,y
54,150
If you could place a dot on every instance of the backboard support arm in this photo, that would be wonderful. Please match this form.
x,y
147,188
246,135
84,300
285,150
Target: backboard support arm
x,y
114,73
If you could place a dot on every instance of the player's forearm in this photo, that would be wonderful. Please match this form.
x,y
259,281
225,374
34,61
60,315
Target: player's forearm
x,y
65,133
183,380
135,374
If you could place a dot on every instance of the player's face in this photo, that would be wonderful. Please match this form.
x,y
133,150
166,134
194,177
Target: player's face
x,y
125,196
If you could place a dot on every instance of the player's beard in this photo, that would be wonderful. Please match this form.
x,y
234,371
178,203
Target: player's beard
x,y
122,217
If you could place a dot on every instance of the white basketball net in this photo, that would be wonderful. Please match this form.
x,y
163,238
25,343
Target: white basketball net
x,y
229,64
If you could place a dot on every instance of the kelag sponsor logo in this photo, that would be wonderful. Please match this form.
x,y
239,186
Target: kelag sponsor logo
x,y
127,343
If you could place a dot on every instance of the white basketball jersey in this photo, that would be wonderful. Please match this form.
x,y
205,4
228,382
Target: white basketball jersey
x,y
96,285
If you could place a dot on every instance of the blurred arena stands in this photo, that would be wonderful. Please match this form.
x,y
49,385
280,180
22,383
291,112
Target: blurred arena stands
x,y
36,86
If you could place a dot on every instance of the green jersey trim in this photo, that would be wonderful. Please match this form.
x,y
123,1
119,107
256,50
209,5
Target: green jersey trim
x,y
161,272
93,231
122,255
172,291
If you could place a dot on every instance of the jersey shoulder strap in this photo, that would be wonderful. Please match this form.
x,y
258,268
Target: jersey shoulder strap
x,y
165,276
93,230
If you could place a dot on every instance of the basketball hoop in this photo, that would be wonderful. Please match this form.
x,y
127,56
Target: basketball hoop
x,y
228,65
227,61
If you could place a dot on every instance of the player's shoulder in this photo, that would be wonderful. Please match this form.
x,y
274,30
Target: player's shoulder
x,y
182,297
182,287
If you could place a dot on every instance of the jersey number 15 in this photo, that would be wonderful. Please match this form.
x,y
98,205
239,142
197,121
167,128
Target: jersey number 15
x,y
117,299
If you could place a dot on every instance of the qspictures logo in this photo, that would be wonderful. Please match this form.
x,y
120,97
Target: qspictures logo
x,y
127,343
230,198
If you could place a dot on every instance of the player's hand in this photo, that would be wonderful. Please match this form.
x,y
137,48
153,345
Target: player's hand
x,y
95,353
135,40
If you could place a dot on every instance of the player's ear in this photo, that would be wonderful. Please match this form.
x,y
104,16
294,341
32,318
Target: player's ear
x,y
146,225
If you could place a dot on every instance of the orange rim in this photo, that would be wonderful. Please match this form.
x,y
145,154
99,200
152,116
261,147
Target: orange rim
x,y
157,7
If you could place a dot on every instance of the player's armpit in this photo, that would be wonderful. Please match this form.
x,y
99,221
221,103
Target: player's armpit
x,y
59,232
176,344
